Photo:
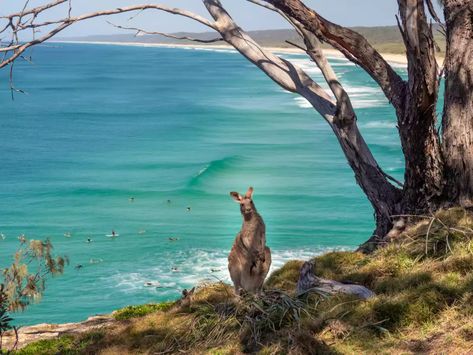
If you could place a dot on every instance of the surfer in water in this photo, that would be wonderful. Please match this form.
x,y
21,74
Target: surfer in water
x,y
112,235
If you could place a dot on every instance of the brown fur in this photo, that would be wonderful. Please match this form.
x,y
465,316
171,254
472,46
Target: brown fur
x,y
250,258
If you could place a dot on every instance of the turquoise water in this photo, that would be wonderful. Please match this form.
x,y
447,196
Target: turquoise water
x,y
100,124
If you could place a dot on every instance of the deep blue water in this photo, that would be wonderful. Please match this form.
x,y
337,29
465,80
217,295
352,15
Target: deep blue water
x,y
100,124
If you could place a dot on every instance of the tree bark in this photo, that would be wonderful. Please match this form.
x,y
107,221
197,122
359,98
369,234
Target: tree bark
x,y
423,179
457,121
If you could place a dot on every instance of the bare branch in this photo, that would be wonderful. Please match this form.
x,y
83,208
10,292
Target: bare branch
x,y
35,10
432,11
353,45
273,8
169,35
297,46
70,9
420,45
314,51
64,23
283,72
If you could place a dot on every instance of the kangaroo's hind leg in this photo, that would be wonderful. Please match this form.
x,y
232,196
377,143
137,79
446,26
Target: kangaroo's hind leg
x,y
235,275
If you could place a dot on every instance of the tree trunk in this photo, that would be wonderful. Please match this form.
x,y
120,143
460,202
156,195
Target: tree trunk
x,y
458,109
423,180
384,197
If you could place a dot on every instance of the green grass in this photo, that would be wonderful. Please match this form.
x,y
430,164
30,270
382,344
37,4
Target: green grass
x,y
64,345
61,345
141,310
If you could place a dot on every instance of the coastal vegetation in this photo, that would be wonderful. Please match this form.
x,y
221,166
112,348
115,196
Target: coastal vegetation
x,y
24,280
424,290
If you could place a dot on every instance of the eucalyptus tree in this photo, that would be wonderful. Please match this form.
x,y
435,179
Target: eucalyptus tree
x,y
438,163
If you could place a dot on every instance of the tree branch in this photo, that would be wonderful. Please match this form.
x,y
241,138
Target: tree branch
x,y
315,52
64,23
169,35
380,192
273,8
432,11
283,72
35,10
420,46
353,45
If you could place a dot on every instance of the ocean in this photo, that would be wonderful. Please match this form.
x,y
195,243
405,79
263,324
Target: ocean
x,y
105,135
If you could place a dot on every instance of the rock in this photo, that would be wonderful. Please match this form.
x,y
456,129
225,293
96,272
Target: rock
x,y
30,334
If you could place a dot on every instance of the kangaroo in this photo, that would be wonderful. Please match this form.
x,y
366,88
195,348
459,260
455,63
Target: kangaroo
x,y
250,258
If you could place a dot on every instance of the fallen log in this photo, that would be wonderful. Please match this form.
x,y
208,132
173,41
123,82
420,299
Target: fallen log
x,y
309,282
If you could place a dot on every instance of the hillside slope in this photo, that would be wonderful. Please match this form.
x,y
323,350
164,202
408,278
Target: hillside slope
x,y
424,304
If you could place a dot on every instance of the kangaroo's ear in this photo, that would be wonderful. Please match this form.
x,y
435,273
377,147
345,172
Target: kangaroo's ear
x,y
249,192
236,196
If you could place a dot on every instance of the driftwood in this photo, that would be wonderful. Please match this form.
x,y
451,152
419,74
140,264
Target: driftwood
x,y
309,282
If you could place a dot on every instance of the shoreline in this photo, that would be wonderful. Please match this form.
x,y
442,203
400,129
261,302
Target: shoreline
x,y
395,59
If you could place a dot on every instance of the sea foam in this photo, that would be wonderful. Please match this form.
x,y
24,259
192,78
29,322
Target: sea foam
x,y
195,267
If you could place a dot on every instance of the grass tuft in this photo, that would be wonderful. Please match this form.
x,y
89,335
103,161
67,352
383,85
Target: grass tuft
x,y
141,310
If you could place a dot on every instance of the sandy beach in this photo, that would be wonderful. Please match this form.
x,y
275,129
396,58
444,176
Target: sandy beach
x,y
396,59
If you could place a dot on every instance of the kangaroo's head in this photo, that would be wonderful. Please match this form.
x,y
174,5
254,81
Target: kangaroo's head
x,y
247,207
